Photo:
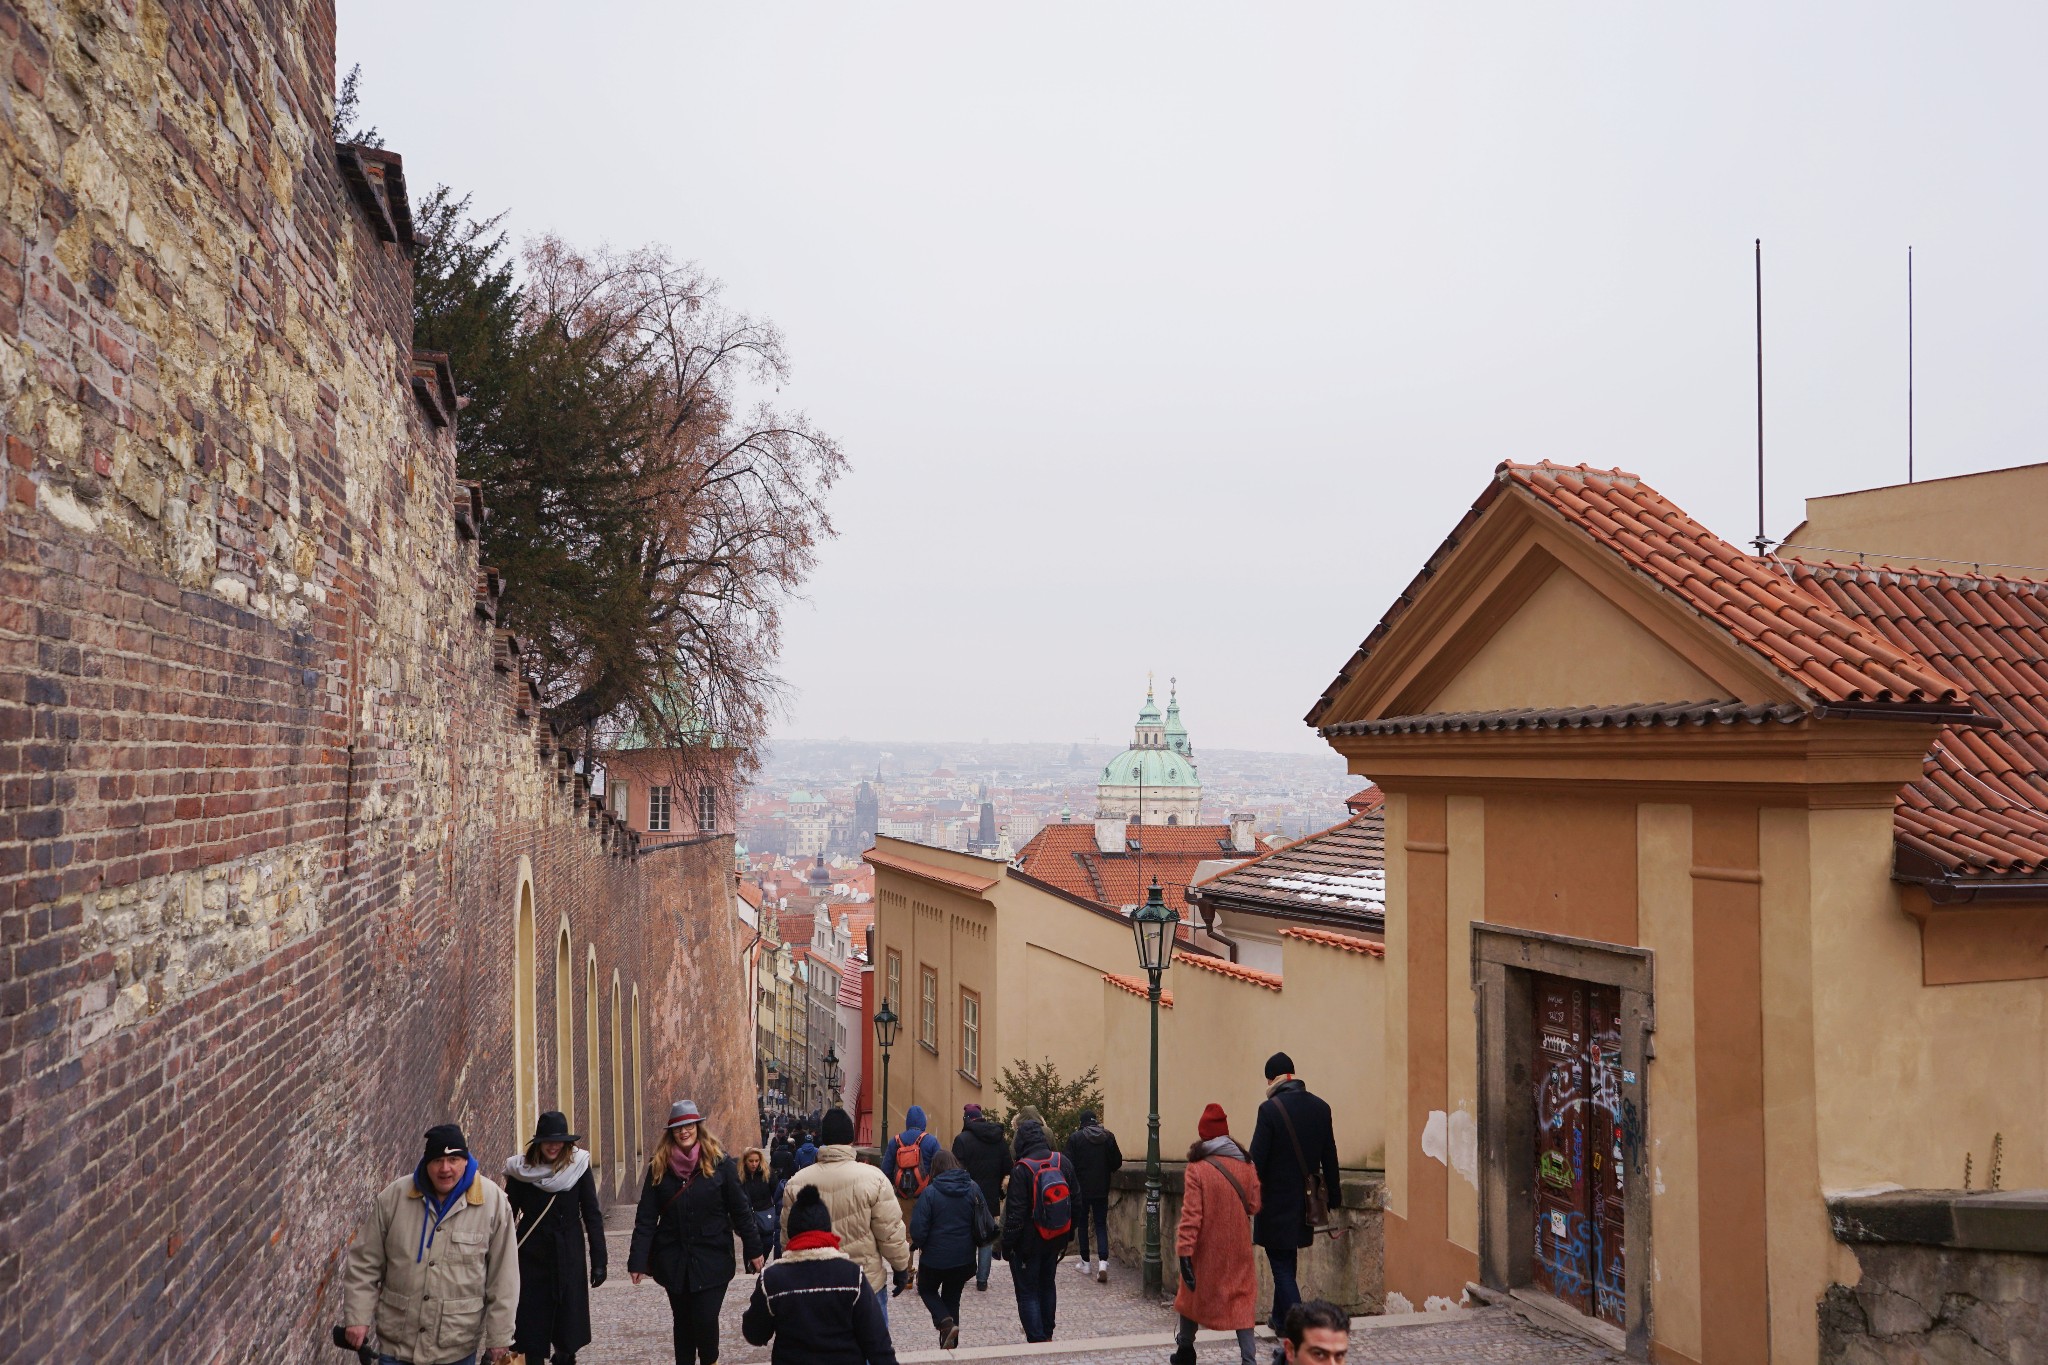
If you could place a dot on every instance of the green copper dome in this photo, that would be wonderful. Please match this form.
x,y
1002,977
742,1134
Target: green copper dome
x,y
1159,768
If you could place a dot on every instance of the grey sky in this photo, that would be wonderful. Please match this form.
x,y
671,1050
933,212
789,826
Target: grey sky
x,y
1175,336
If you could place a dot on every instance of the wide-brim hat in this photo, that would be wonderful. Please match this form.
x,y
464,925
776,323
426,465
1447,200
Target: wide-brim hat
x,y
554,1127
683,1112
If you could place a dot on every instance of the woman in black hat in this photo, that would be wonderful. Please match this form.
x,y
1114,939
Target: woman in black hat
x,y
552,1190
691,1208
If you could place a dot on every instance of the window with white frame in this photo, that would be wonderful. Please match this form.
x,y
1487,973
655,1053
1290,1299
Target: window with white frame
x,y
707,809
928,1007
657,808
970,1033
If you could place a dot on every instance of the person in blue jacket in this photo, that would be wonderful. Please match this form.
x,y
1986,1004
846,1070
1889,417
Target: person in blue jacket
x,y
942,1231
907,1174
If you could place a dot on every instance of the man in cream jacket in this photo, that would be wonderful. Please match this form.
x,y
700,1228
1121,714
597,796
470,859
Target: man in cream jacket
x,y
861,1201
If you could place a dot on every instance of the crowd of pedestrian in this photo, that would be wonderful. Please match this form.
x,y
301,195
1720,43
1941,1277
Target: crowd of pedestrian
x,y
450,1269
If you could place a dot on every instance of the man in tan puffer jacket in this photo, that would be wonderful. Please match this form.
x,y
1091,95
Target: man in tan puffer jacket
x,y
861,1201
435,1265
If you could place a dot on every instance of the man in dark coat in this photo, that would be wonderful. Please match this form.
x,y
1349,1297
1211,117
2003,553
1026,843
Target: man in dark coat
x,y
1034,1258
984,1150
1096,1158
1292,1139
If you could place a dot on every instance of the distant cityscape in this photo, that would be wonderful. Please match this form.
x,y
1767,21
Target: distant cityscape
x,y
831,797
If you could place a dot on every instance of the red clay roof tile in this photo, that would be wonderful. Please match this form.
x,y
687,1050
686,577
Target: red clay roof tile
x,y
1342,942
1139,987
1065,855
1236,971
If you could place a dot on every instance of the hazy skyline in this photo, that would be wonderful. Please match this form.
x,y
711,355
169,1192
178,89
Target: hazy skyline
x,y
1174,337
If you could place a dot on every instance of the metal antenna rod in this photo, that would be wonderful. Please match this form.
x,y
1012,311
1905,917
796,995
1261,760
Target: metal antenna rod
x,y
1909,364
1762,541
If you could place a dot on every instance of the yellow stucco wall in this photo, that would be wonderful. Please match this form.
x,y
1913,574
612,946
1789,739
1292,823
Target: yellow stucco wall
x,y
1465,899
1664,919
1569,646
1911,1078
1993,517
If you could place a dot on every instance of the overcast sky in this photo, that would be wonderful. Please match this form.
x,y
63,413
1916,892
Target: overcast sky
x,y
1175,336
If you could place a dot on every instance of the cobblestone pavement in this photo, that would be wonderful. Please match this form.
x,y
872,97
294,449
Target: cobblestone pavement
x,y
1097,1324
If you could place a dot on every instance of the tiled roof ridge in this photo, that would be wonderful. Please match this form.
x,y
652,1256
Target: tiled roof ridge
x,y
1877,573
1330,939
1142,989
1236,971
1637,715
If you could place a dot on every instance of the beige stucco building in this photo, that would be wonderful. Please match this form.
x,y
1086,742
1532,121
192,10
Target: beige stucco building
x,y
1714,897
987,965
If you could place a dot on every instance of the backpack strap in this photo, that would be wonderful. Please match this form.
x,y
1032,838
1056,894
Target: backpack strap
x,y
1235,1183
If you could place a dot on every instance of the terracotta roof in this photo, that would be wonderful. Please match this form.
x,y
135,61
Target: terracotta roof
x,y
849,983
1822,652
1980,806
1236,971
1335,877
931,872
1342,942
1065,856
1358,803
1634,715
751,894
1138,986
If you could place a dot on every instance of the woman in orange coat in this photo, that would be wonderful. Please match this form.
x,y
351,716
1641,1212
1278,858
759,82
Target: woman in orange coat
x,y
1219,1284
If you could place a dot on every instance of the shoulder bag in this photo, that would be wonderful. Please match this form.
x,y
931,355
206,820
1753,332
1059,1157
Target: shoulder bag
x,y
1315,1194
1235,1184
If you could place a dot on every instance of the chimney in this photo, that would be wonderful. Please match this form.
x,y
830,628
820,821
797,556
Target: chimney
x,y
1109,835
1241,833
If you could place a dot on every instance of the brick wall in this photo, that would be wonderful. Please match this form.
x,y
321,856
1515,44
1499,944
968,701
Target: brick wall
x,y
270,773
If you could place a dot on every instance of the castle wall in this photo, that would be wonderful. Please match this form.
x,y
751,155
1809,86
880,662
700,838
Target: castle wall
x,y
276,799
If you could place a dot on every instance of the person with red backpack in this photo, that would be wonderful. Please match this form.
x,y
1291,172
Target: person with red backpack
x,y
908,1161
1038,1222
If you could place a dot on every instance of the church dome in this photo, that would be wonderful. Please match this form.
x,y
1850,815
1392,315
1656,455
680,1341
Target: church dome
x,y
1160,768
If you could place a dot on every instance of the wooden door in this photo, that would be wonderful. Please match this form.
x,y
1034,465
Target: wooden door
x,y
1579,1172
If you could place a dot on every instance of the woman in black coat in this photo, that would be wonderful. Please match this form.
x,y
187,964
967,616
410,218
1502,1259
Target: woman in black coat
x,y
691,1207
554,1205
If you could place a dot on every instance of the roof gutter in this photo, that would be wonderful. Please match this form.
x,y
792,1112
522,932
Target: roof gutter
x,y
1910,711
1910,867
1208,913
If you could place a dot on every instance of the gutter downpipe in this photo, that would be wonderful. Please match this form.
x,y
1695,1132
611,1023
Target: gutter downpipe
x,y
1209,922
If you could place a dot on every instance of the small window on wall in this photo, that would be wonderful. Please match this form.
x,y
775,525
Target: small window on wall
x,y
621,804
928,1007
707,809
894,991
970,1034
657,809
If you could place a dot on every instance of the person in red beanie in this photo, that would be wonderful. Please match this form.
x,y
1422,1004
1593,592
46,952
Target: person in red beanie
x,y
1219,1284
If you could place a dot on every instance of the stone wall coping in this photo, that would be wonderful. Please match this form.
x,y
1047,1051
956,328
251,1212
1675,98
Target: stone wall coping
x,y
1988,1220
1360,1188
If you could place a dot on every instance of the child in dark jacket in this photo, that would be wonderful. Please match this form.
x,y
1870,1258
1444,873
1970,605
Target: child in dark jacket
x,y
942,1230
814,1302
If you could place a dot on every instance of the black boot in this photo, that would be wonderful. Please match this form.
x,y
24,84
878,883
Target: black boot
x,y
1182,1355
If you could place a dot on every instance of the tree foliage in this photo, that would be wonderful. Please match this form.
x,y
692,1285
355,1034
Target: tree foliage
x,y
1059,1102
652,509
348,112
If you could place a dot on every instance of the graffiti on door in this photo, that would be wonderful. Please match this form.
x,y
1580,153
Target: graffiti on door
x,y
1581,1156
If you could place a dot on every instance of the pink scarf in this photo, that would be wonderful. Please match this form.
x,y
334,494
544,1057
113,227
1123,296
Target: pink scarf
x,y
681,1164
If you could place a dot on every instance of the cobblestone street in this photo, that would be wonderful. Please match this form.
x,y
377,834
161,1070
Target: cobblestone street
x,y
1098,1324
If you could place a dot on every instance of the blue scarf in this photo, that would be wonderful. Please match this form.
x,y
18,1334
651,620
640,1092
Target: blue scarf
x,y
437,1205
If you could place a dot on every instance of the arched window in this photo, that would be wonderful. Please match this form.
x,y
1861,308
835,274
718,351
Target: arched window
x,y
1173,819
621,1144
525,1075
593,1065
565,1029
639,1088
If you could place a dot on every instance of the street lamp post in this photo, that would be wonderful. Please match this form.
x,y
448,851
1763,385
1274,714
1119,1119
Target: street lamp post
x,y
885,1038
833,1075
1153,927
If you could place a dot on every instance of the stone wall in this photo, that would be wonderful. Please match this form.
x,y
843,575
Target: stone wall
x,y
1947,1276
1346,1268
273,782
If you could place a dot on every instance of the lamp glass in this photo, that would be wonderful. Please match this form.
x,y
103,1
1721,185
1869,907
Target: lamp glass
x,y
885,1027
1152,926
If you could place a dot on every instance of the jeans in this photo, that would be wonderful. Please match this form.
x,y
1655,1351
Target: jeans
x,y
1097,1209
940,1290
984,1261
1247,1341
1286,1293
696,1317
1034,1272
